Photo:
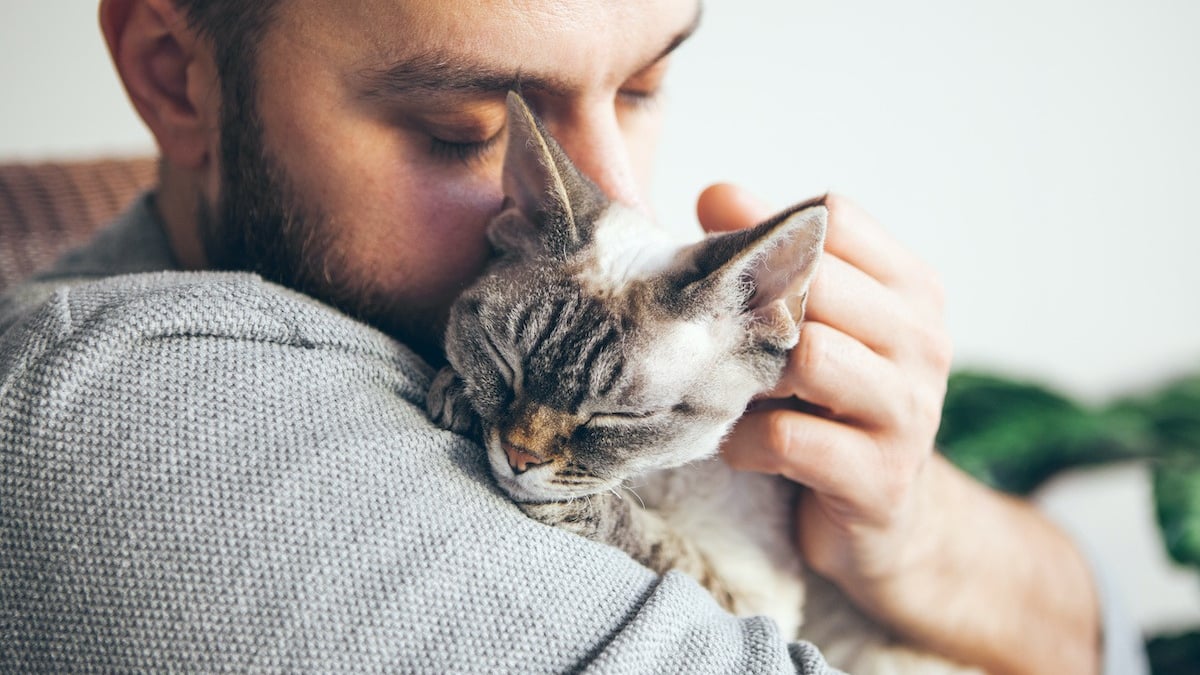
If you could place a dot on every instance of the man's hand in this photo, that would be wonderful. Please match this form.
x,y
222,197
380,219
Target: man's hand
x,y
941,560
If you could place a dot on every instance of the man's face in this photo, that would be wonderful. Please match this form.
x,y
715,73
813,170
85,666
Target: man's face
x,y
375,164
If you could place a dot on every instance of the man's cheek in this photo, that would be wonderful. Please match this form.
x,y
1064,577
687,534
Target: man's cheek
x,y
457,212
436,244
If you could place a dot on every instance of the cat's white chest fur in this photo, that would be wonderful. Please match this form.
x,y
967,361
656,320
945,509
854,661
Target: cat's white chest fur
x,y
742,523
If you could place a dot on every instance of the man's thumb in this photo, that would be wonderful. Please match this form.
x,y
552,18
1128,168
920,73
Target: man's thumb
x,y
724,207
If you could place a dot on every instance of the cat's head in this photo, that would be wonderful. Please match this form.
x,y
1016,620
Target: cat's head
x,y
595,349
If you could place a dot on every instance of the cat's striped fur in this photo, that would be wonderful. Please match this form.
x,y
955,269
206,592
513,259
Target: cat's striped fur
x,y
595,355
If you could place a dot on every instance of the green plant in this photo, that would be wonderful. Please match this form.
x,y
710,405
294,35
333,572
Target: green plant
x,y
1013,435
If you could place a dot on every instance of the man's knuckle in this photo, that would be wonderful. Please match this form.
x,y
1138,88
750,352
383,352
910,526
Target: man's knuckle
x,y
896,484
934,346
940,350
891,496
837,203
929,414
778,438
811,350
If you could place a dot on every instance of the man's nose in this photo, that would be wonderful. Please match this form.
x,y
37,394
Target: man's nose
x,y
595,143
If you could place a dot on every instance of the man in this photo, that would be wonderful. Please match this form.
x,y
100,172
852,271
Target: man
x,y
208,470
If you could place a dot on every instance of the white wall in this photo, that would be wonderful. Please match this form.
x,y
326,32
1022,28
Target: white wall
x,y
1044,156
60,96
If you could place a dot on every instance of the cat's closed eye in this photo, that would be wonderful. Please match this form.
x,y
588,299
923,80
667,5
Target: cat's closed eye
x,y
501,359
610,419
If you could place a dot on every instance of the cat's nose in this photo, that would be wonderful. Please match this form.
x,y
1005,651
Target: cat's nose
x,y
519,459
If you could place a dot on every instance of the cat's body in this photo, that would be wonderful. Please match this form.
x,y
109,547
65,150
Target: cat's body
x,y
741,523
600,364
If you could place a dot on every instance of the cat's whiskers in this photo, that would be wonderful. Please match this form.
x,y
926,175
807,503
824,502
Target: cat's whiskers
x,y
629,488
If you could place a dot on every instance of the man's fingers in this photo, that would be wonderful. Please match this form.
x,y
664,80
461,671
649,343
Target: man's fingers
x,y
828,457
844,297
853,235
725,207
857,238
853,302
839,374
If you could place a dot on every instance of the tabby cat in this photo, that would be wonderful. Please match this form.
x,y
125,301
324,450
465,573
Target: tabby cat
x,y
596,354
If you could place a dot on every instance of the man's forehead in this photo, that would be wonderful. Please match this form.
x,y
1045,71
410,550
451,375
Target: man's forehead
x,y
415,46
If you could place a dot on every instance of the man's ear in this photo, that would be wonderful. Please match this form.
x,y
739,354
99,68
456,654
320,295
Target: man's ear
x,y
169,74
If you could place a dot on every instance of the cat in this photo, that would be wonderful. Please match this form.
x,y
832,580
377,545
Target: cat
x,y
596,353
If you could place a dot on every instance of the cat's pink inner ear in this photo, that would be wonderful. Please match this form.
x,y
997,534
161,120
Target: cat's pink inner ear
x,y
784,268
777,320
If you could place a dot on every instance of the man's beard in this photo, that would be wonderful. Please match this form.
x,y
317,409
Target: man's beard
x,y
261,225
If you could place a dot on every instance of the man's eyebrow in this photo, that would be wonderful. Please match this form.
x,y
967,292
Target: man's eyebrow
x,y
444,72
680,37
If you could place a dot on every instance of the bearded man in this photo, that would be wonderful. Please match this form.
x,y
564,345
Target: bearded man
x,y
215,455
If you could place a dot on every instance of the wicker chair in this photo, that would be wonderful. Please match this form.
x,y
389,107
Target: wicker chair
x,y
47,208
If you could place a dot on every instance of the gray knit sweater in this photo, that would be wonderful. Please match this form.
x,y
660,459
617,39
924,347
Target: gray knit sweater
x,y
205,471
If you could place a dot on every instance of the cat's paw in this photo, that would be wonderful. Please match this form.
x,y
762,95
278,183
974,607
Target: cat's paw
x,y
447,406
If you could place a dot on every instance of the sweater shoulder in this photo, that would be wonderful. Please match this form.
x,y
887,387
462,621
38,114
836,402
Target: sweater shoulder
x,y
119,317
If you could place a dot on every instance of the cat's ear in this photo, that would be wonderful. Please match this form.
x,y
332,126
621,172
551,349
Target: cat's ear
x,y
550,206
764,271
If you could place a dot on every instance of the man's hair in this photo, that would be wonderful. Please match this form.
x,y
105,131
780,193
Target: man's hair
x,y
235,235
234,28
259,223
229,24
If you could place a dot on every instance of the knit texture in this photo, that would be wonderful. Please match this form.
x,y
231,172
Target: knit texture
x,y
205,471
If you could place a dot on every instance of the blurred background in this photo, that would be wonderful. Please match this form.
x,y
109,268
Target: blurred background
x,y
1043,156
